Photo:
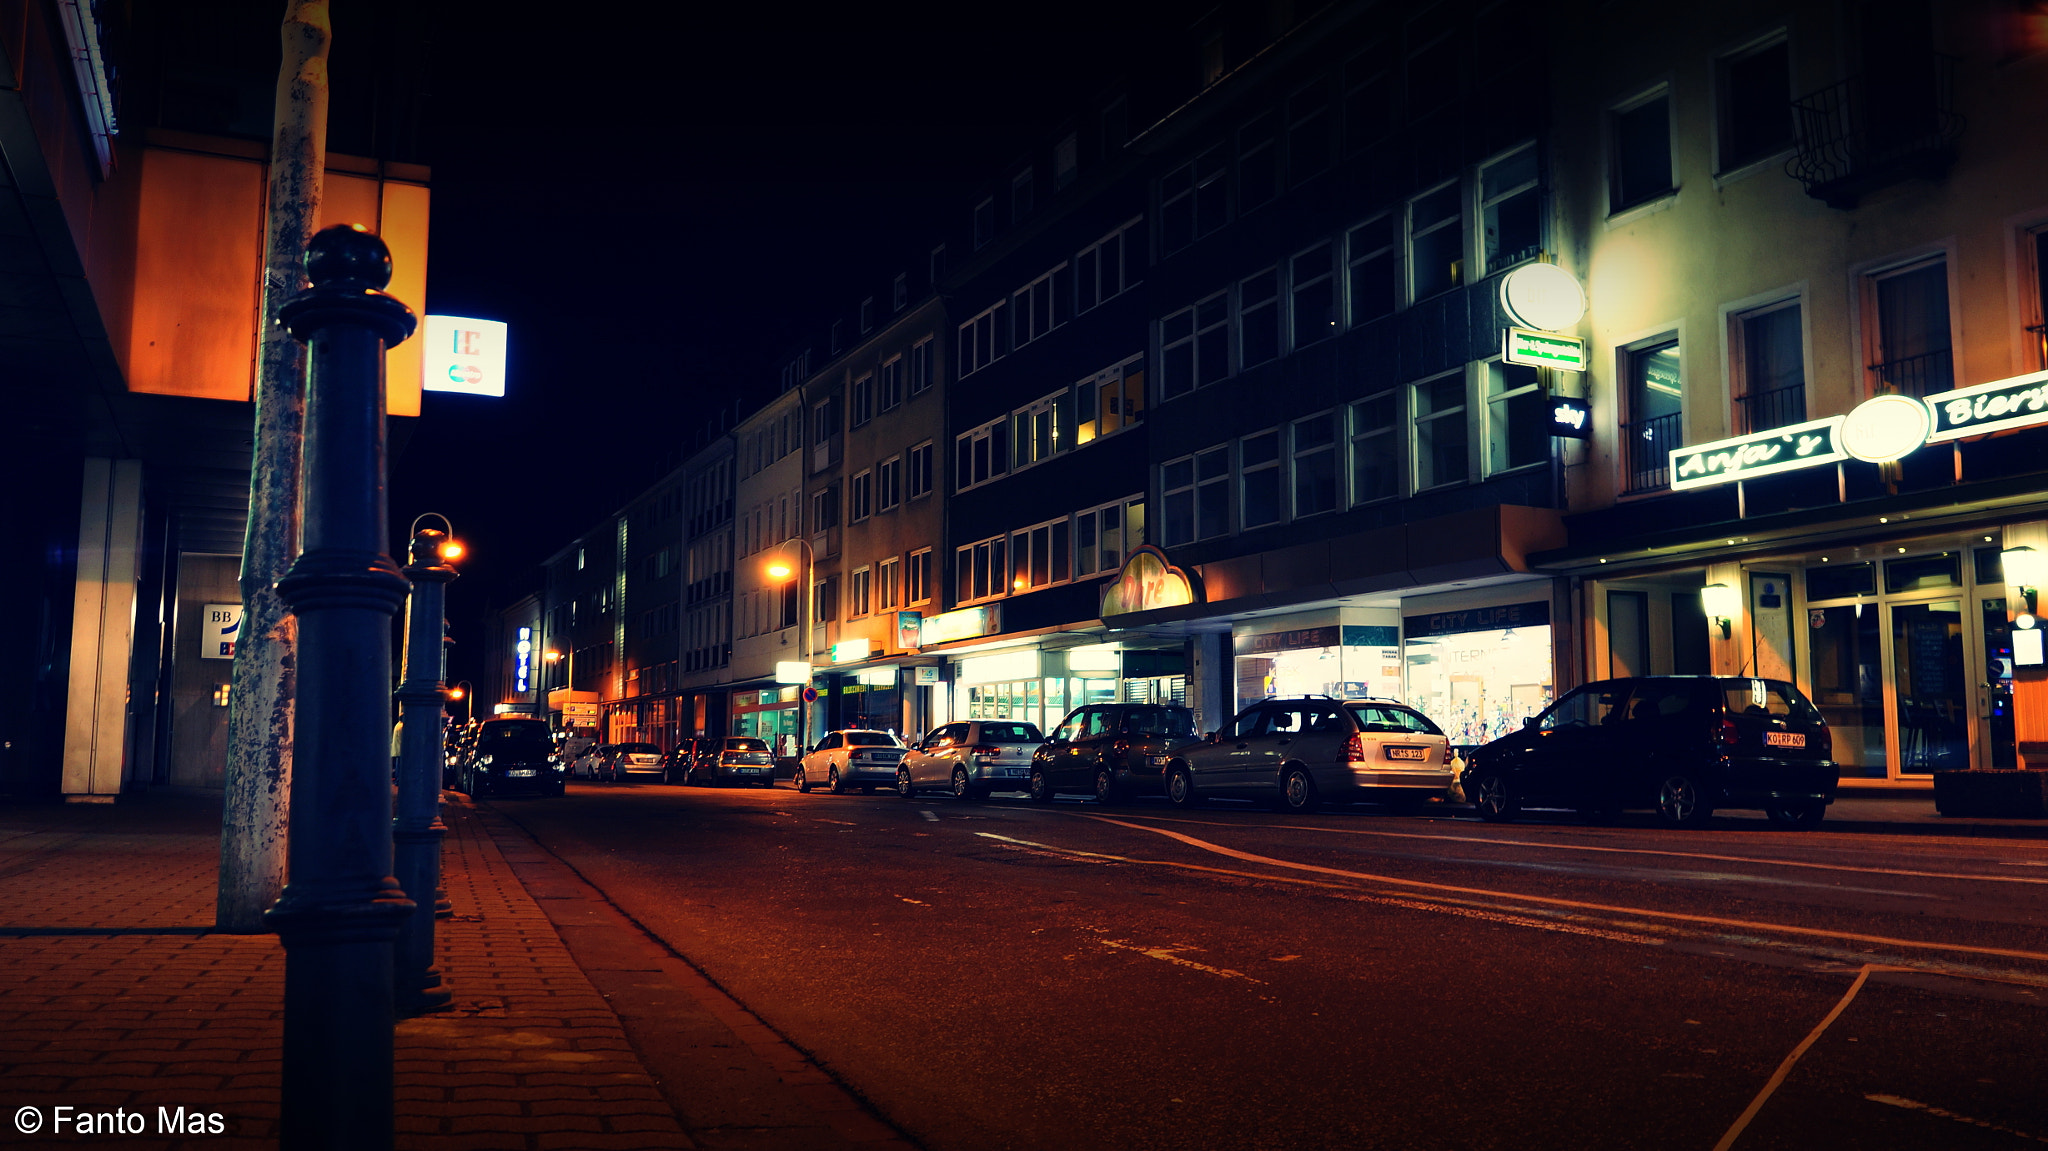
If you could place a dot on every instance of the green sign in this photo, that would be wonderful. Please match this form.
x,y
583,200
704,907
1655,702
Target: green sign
x,y
1758,454
1973,411
1543,350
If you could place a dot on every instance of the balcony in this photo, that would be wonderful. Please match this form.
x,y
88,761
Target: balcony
x,y
1919,376
1777,408
1648,444
1875,129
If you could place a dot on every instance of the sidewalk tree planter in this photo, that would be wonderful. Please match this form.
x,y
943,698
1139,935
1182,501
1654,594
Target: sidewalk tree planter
x,y
1999,794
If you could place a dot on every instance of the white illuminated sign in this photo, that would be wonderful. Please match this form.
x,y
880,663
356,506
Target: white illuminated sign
x,y
877,676
1010,665
463,355
522,665
1097,657
2000,404
1885,428
218,629
792,671
1543,296
1758,454
852,650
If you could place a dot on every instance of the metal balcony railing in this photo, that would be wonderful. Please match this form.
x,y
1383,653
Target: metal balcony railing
x,y
1921,376
1876,129
1647,446
1776,408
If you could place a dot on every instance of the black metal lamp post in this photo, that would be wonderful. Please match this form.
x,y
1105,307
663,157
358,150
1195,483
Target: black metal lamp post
x,y
416,833
342,908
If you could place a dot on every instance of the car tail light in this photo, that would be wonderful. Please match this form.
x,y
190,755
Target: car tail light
x,y
1447,755
1824,741
985,749
1726,734
1354,748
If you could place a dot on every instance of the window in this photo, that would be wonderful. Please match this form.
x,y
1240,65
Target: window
x,y
1103,534
1368,96
867,315
1039,306
1436,242
824,421
1258,161
920,468
1373,270
887,575
981,569
1653,411
825,509
1755,113
1109,401
1194,200
1258,318
920,365
1195,496
861,495
1021,201
863,399
1315,464
981,455
1510,211
891,393
2037,246
1375,448
1258,466
789,606
826,606
1039,556
918,578
1913,337
1313,277
1194,346
1042,430
859,586
1440,451
1640,138
1107,267
899,291
889,484
1517,418
984,339
1309,132
1432,60
1770,356
984,222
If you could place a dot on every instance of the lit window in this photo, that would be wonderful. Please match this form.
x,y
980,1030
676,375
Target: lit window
x,y
1110,401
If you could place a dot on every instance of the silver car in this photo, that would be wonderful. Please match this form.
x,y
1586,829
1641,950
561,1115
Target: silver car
x,y
1297,753
971,759
851,758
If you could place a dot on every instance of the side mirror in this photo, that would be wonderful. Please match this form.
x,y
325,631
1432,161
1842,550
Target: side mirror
x,y
1213,737
1528,723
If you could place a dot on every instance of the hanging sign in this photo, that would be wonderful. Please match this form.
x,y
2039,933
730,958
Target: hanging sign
x,y
459,354
217,630
1148,580
2001,404
1570,418
1758,454
1543,350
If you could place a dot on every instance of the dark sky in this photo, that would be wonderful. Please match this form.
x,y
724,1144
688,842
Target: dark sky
x,y
661,204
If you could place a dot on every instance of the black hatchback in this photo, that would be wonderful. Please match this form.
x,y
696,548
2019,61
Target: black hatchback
x,y
1683,745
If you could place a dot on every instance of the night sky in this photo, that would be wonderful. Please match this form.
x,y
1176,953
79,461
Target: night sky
x,y
662,208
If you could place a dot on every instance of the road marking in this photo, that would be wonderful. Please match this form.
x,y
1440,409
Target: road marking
x,y
840,822
1916,1105
1575,904
919,902
1785,1068
1170,955
1632,851
929,814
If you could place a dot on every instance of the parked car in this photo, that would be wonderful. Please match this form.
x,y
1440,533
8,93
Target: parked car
x,y
1299,753
630,759
851,758
736,759
511,755
1109,751
591,763
681,760
971,759
1683,745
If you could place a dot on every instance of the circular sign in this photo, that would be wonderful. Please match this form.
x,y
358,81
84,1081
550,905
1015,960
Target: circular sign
x,y
1885,428
809,694
1543,296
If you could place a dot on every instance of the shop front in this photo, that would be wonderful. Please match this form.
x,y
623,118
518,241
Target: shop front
x,y
771,713
1346,653
1041,686
1479,669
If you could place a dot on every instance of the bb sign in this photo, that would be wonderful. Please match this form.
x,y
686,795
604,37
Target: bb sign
x,y
1878,430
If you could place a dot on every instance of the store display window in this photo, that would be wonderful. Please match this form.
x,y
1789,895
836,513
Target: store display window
x,y
1479,672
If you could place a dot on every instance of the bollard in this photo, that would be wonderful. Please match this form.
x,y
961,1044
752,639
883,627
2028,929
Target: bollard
x,y
416,833
341,907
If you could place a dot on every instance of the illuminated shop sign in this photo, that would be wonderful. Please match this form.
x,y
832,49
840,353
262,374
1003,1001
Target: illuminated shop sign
x,y
2014,403
1347,635
1148,580
522,663
966,623
459,354
1502,618
852,650
1542,350
1758,454
1571,419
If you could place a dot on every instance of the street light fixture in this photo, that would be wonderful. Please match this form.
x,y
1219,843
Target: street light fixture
x,y
780,570
461,692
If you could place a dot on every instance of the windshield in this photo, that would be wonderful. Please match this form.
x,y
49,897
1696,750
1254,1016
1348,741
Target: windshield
x,y
524,730
746,745
870,739
1011,733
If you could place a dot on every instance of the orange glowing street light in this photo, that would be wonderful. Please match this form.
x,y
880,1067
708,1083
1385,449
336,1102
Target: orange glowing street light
x,y
780,570
451,550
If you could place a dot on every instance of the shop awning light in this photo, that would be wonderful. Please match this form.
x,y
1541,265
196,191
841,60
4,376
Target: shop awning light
x,y
1722,604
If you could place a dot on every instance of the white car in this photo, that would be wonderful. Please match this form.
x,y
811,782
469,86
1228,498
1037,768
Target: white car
x,y
851,758
971,759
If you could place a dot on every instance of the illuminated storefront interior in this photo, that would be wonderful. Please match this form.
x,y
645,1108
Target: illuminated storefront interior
x,y
1479,672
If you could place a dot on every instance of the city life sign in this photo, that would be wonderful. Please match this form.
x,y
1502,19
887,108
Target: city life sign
x,y
1543,350
1878,430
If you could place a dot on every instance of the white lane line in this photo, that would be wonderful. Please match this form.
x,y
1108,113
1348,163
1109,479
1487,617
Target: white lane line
x,y
930,815
1171,955
1630,851
1575,904
1930,1109
1785,1068
840,822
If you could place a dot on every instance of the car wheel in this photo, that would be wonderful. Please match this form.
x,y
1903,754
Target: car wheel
x,y
1040,787
1105,786
832,781
1298,791
1797,814
1681,802
962,787
904,787
803,782
1491,796
1180,788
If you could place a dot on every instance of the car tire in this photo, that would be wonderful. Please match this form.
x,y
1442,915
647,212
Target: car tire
x,y
963,788
904,787
1298,791
1040,787
1180,788
1682,802
1106,791
1495,802
1797,815
833,783
803,781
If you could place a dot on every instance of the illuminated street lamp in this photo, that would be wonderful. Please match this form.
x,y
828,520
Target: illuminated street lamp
x,y
460,694
781,570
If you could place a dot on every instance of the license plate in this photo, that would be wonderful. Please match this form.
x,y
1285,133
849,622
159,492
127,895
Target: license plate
x,y
1784,739
523,773
1418,754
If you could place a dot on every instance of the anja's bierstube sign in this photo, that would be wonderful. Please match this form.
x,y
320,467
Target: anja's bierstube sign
x,y
2001,404
1758,454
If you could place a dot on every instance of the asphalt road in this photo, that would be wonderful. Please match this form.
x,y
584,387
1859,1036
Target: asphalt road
x,y
1001,975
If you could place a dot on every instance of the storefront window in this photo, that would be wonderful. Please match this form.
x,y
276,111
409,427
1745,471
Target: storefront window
x,y
1848,685
1927,658
1479,672
1344,662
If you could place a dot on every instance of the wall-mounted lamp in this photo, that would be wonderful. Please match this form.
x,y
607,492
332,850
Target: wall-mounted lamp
x,y
1722,604
2025,569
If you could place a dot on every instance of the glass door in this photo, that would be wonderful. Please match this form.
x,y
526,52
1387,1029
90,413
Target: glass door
x,y
1847,662
1931,686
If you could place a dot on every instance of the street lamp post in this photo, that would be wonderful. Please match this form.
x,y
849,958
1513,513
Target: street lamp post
x,y
781,570
462,693
416,832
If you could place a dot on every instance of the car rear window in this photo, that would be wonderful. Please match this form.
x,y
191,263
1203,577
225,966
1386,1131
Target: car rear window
x,y
870,739
1011,733
638,749
1767,697
1384,717
521,729
1167,721
745,744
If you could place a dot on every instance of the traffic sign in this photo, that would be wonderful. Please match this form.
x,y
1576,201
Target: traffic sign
x,y
810,695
